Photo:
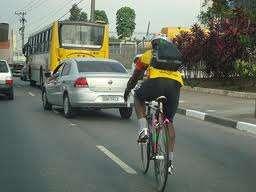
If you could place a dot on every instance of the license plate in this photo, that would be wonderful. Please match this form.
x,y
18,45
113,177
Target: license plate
x,y
110,98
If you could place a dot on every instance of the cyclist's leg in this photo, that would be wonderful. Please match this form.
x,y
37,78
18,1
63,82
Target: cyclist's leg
x,y
140,107
148,91
172,94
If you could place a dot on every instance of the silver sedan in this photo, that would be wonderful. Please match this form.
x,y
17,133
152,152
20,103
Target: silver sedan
x,y
87,83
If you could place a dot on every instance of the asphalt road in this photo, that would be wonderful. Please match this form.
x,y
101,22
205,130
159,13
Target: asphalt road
x,y
43,151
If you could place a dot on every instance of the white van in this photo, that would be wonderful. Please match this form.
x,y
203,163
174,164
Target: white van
x,y
6,80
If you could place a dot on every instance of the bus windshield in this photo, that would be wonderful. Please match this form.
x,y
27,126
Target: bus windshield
x,y
82,36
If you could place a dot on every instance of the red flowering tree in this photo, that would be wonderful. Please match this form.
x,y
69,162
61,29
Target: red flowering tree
x,y
227,42
191,44
219,49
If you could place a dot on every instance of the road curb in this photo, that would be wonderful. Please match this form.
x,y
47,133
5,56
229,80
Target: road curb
x,y
245,95
243,126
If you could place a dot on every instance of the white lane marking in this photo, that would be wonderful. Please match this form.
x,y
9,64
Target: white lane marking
x,y
195,114
118,161
251,128
31,94
72,124
211,110
181,101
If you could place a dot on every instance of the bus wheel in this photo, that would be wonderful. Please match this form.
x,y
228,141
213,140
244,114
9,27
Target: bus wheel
x,y
32,83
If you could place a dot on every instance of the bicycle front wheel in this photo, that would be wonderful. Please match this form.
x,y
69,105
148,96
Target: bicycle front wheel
x,y
161,157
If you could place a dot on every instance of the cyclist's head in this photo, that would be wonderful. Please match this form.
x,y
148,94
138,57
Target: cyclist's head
x,y
157,40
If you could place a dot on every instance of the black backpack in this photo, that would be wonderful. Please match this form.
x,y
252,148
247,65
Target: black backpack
x,y
166,56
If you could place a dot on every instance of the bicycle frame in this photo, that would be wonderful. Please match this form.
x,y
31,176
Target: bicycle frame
x,y
157,121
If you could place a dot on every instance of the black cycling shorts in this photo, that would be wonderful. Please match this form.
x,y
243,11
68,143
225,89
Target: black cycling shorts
x,y
151,89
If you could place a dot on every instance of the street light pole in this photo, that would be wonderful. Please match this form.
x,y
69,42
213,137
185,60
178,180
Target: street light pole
x,y
92,10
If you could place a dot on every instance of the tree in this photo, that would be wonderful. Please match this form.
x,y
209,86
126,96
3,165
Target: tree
x,y
83,16
223,9
75,12
191,45
101,15
125,22
218,10
249,6
231,32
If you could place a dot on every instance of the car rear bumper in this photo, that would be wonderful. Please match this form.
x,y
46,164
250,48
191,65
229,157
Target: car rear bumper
x,y
101,105
84,98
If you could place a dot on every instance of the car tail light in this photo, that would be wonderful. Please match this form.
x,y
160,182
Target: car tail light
x,y
81,82
9,82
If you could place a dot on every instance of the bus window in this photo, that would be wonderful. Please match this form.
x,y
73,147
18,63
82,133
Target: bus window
x,y
82,36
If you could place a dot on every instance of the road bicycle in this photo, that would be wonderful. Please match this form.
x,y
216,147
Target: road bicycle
x,y
156,147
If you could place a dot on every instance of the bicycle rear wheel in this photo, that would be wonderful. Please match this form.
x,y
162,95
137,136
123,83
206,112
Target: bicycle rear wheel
x,y
161,158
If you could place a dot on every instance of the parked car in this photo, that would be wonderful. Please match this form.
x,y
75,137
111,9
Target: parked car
x,y
6,80
24,74
87,83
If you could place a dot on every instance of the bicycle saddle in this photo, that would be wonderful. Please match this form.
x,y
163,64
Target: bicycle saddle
x,y
162,99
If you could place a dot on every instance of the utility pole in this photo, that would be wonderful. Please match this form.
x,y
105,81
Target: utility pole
x,y
22,14
148,29
92,11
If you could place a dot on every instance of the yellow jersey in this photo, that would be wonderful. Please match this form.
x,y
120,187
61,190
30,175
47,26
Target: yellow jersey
x,y
145,60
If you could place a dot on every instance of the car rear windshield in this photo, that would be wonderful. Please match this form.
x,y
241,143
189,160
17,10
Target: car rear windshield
x,y
3,67
100,66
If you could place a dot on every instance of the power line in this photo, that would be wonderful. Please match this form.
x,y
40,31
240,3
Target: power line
x,y
55,12
51,15
28,4
23,9
13,18
38,5
68,10
29,8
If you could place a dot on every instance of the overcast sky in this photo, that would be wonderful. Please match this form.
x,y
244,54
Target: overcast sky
x,y
159,12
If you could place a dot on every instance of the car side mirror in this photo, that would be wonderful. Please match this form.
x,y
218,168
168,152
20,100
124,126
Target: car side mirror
x,y
47,74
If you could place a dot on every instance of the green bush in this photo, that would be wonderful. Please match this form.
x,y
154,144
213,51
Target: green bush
x,y
246,68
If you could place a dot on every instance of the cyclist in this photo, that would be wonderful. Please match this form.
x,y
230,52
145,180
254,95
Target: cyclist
x,y
160,83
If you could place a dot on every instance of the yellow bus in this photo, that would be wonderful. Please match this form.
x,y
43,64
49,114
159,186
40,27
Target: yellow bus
x,y
61,40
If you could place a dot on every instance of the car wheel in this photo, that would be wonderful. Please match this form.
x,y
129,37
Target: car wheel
x,y
11,95
46,105
68,112
125,112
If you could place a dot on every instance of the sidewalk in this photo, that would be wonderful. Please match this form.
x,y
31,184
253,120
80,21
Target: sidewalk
x,y
219,108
